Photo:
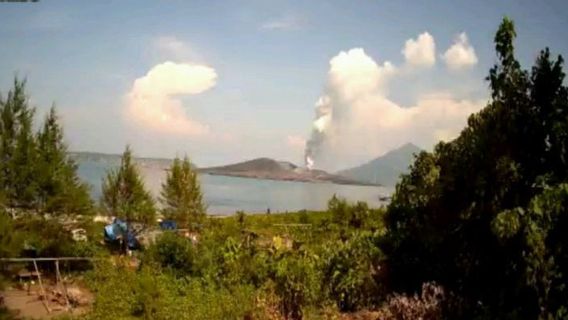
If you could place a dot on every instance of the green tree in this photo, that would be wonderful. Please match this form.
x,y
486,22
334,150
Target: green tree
x,y
17,149
60,189
181,194
8,132
465,215
124,194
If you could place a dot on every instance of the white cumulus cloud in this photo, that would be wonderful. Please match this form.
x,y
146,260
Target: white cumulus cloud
x,y
154,103
420,52
355,118
461,54
355,73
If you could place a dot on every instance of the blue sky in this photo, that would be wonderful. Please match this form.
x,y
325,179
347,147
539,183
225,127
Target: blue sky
x,y
264,65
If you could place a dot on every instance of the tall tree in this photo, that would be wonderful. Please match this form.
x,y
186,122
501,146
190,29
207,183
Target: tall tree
x,y
181,194
17,149
59,188
124,194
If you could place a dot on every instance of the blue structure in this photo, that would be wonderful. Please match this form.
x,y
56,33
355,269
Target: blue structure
x,y
168,225
117,230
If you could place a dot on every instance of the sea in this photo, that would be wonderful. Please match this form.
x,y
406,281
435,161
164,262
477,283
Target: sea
x,y
225,195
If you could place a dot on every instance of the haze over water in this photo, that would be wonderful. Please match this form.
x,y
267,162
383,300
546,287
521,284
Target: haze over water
x,y
224,195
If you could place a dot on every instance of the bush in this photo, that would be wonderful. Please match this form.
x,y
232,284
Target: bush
x,y
44,237
296,282
172,252
303,217
10,240
123,293
351,272
356,216
241,263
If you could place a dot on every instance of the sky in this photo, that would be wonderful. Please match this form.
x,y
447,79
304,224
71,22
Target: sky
x,y
226,81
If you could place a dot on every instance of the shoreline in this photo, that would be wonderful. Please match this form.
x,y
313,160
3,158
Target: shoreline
x,y
291,179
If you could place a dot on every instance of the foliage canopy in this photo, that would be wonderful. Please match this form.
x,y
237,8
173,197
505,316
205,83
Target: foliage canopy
x,y
481,214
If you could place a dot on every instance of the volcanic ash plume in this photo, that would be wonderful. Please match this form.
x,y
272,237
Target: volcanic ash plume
x,y
352,75
318,135
356,120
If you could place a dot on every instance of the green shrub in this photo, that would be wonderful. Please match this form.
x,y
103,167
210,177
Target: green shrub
x,y
172,252
351,272
241,263
296,282
10,240
46,237
303,217
357,215
123,293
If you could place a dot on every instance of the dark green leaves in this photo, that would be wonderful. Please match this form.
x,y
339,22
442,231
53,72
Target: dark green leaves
x,y
482,214
507,223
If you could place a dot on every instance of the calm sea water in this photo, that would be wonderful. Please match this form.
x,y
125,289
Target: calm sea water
x,y
225,195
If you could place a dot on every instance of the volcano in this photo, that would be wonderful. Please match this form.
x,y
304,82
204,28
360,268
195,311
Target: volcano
x,y
266,168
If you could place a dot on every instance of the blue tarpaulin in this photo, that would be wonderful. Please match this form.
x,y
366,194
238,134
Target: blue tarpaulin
x,y
114,230
110,235
168,225
117,229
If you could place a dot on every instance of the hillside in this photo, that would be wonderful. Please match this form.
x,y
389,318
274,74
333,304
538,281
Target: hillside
x,y
265,168
259,164
386,169
114,159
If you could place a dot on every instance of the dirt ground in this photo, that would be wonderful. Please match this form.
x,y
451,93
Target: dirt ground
x,y
30,306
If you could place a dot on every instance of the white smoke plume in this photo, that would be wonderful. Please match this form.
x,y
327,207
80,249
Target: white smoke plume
x,y
355,119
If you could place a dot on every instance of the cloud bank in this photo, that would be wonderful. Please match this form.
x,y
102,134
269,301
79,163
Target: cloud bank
x,y
355,118
461,54
154,100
